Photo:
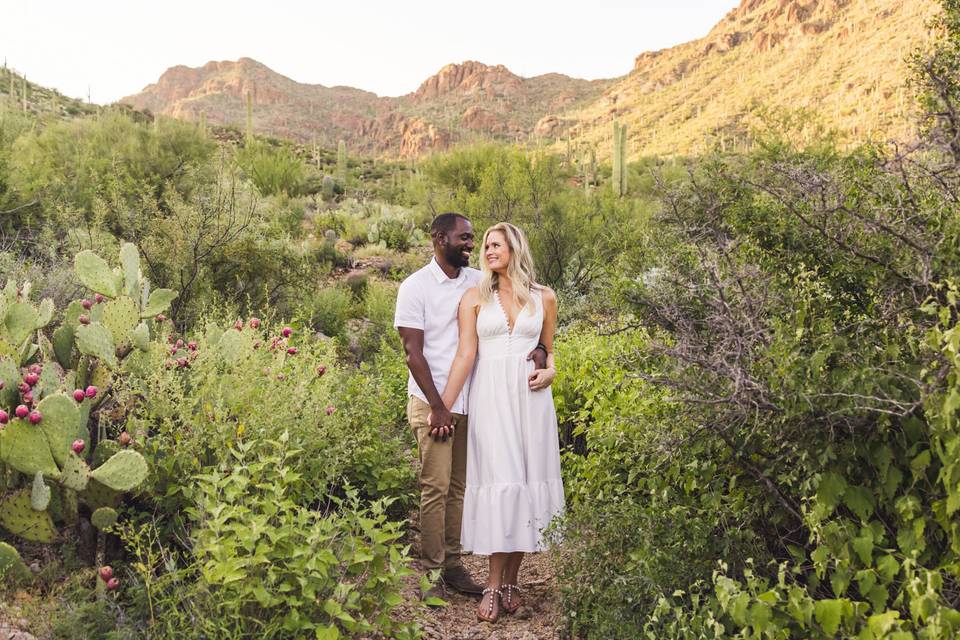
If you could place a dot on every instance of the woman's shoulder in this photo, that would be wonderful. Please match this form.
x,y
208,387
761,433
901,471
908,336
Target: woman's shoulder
x,y
471,296
546,293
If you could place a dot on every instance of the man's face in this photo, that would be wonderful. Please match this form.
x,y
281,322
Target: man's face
x,y
457,244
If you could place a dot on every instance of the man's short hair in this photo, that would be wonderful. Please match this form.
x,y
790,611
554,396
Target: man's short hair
x,y
445,222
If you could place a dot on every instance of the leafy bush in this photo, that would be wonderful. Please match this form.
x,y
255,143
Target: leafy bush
x,y
273,169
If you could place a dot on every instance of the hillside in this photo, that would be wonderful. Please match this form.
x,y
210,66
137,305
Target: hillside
x,y
458,103
842,59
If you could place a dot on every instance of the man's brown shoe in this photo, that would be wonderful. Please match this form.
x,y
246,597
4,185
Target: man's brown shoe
x,y
459,579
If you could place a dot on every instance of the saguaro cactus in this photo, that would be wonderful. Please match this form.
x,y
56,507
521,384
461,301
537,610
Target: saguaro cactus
x,y
342,162
249,116
618,180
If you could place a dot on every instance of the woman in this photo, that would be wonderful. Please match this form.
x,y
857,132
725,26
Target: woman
x,y
513,488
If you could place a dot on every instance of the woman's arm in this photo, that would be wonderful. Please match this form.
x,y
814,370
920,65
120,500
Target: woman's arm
x,y
542,378
466,349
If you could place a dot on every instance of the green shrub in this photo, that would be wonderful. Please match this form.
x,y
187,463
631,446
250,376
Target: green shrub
x,y
273,169
328,310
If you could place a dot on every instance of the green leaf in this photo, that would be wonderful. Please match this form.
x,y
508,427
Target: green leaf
x,y
863,546
829,613
327,633
859,500
830,490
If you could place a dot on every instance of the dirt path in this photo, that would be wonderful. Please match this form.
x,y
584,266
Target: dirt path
x,y
537,619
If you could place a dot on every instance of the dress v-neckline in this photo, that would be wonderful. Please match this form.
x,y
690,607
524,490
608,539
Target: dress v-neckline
x,y
506,316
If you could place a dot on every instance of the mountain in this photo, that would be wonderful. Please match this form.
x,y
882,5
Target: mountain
x,y
461,102
842,60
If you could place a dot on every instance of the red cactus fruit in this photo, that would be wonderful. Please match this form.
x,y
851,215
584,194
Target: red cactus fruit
x,y
35,368
79,395
125,439
106,572
84,319
87,304
280,376
286,332
4,417
78,446
31,379
256,345
27,397
238,325
321,370
330,410
292,351
2,384
23,387
192,345
183,362
113,584
35,417
21,411
90,391
179,343
173,349
254,323
160,317
98,297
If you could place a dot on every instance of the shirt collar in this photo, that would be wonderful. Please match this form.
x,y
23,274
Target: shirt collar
x,y
440,276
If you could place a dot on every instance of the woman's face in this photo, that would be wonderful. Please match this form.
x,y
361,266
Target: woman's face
x,y
496,252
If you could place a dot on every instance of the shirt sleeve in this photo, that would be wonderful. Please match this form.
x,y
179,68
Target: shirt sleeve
x,y
410,307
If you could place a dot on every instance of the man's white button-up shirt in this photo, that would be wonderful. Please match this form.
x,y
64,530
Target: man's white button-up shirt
x,y
428,300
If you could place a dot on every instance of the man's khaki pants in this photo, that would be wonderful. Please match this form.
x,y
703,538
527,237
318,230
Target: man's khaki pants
x,y
443,476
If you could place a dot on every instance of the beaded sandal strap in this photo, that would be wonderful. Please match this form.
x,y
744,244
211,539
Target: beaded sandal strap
x,y
496,592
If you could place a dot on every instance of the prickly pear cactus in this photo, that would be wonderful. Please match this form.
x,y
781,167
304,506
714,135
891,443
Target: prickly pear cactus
x,y
124,471
18,516
103,518
50,373
12,568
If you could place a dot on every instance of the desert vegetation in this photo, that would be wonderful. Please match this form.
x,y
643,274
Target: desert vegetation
x,y
202,399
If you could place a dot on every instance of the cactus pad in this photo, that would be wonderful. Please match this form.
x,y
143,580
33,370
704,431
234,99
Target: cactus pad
x,y
232,345
101,378
12,568
93,272
104,451
7,350
60,425
130,261
121,316
73,312
95,340
141,337
10,376
158,302
24,447
20,322
75,474
98,495
44,313
39,493
19,518
103,518
63,345
124,471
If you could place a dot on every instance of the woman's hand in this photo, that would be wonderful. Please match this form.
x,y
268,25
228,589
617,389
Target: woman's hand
x,y
541,378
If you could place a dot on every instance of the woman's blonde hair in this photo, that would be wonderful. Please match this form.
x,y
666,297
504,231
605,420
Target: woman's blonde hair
x,y
520,268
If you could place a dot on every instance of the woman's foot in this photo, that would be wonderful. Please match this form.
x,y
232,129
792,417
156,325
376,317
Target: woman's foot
x,y
489,608
511,598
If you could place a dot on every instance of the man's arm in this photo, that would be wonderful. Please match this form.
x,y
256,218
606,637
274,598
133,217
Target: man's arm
x,y
440,417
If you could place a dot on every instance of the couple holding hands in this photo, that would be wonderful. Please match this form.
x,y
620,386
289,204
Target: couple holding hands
x,y
479,346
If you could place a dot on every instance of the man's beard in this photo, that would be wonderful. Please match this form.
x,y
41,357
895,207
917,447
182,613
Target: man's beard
x,y
456,257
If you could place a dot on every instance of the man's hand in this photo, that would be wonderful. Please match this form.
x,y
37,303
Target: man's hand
x,y
539,357
441,423
541,379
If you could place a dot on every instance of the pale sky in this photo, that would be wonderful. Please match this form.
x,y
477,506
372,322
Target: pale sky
x,y
117,48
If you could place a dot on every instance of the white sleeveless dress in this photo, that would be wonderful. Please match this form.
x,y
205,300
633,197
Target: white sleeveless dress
x,y
514,487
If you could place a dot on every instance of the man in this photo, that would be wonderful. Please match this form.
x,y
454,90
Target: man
x,y
426,317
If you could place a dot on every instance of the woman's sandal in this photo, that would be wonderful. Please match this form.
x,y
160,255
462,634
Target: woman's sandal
x,y
508,604
490,617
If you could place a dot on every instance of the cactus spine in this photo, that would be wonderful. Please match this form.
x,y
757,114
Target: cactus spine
x,y
619,178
